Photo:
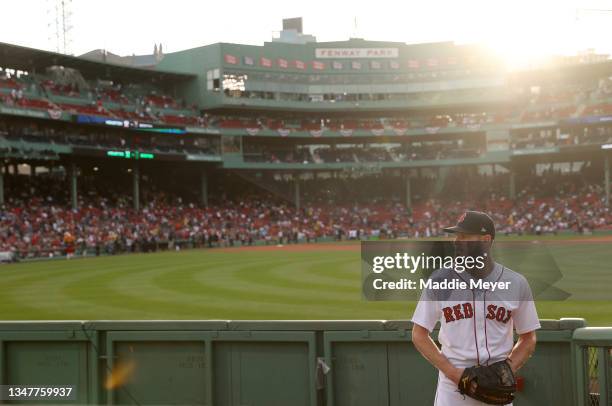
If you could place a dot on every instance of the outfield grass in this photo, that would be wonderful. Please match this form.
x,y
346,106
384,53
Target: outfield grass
x,y
247,284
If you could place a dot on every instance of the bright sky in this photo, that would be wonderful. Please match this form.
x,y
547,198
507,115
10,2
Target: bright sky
x,y
517,28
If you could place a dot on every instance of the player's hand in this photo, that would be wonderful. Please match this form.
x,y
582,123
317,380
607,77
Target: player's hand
x,y
455,375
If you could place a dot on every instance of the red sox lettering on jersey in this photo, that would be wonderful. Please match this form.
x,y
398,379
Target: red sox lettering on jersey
x,y
466,311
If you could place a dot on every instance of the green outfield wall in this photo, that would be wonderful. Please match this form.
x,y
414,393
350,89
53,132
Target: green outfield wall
x,y
277,363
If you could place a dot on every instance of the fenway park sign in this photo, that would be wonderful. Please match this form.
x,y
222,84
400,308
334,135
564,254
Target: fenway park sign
x,y
356,52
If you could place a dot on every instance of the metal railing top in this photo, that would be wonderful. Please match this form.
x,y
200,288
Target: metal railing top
x,y
593,336
564,324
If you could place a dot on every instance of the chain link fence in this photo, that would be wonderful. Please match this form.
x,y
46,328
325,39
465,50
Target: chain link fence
x,y
592,376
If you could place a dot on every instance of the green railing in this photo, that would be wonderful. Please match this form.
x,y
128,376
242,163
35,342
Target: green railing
x,y
278,363
592,349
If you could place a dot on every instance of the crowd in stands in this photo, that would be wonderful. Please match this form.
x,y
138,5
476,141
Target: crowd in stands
x,y
114,101
321,123
70,134
299,155
449,148
565,100
98,98
549,113
151,104
550,137
111,100
432,150
36,221
572,92
348,153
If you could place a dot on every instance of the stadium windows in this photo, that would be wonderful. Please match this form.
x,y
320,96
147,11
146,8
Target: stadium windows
x,y
213,80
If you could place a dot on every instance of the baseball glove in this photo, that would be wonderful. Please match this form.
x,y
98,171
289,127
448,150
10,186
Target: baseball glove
x,y
493,384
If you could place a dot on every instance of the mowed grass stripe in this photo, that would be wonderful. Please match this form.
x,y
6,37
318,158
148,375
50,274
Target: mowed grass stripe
x,y
284,306
259,290
140,298
298,276
339,274
87,285
240,284
40,295
174,275
85,293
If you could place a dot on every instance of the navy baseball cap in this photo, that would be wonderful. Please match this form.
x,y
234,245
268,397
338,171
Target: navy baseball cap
x,y
473,222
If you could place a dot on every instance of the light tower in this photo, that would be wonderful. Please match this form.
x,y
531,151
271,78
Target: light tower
x,y
59,26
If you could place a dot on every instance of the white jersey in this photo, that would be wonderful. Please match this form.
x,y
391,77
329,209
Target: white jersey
x,y
476,325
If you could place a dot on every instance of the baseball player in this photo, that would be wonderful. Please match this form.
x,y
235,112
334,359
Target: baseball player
x,y
476,324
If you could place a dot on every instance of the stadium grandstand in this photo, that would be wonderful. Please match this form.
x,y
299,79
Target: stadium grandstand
x,y
231,144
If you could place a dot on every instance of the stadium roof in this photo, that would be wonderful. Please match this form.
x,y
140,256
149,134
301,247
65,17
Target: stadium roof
x,y
135,61
24,58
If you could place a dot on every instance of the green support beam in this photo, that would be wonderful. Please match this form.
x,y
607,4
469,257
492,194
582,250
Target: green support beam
x,y
136,186
204,188
512,184
297,192
408,192
607,178
1,187
73,187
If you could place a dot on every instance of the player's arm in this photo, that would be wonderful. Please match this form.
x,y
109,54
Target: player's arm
x,y
522,351
428,348
526,323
